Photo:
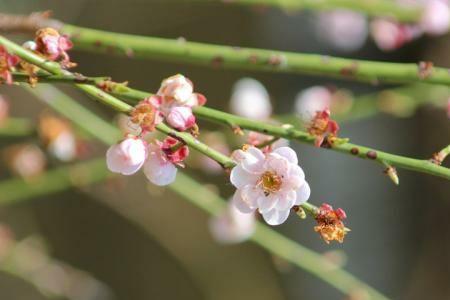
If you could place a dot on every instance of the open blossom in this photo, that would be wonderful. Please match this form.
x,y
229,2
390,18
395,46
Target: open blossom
x,y
53,46
232,226
250,99
127,157
344,29
330,224
270,183
7,63
160,167
436,17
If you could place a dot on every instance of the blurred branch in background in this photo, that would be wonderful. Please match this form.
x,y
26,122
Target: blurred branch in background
x,y
16,127
187,188
29,260
373,8
218,56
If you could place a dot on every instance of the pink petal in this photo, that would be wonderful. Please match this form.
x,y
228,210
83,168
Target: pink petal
x,y
253,160
239,177
240,204
159,172
266,203
287,200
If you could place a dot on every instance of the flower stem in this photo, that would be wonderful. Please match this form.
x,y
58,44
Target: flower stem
x,y
424,166
373,8
211,203
69,78
219,56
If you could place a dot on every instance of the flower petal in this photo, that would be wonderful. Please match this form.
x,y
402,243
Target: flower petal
x,y
303,194
266,203
249,195
287,200
159,172
287,153
239,177
240,204
253,160
276,217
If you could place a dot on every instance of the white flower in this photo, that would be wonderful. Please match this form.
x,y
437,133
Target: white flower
x,y
178,88
158,168
344,29
127,157
64,147
436,17
271,183
312,100
181,118
250,99
232,226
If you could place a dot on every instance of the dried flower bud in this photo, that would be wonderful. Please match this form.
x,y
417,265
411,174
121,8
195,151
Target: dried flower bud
x,y
53,46
7,62
330,224
147,114
391,172
322,125
175,151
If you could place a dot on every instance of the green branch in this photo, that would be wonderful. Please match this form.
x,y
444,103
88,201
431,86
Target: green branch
x,y
16,127
69,78
372,8
190,190
219,56
424,166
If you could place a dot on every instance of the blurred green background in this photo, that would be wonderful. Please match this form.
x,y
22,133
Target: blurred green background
x,y
150,244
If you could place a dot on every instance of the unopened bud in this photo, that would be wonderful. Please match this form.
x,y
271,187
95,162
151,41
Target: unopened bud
x,y
391,172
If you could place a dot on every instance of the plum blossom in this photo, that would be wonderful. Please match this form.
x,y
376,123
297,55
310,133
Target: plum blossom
x,y
330,224
147,114
313,107
53,46
344,29
436,17
250,99
232,226
390,35
312,100
160,166
126,157
270,183
7,63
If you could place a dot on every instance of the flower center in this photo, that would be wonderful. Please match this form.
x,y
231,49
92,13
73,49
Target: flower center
x,y
270,182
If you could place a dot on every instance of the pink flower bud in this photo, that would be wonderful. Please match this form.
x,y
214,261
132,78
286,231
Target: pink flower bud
x,y
127,157
175,152
177,87
436,17
181,118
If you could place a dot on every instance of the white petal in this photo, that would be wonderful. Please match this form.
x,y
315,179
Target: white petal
x,y
278,164
276,217
287,200
253,160
266,203
239,177
250,195
240,204
287,153
296,171
303,194
119,161
159,172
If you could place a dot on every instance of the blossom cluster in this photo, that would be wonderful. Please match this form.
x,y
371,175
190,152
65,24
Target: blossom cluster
x,y
172,103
